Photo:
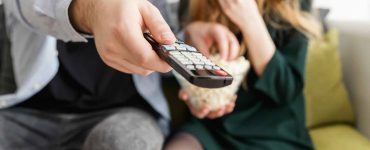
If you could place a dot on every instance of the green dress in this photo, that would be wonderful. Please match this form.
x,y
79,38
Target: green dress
x,y
270,114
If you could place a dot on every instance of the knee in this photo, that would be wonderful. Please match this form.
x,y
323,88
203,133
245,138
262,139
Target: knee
x,y
130,129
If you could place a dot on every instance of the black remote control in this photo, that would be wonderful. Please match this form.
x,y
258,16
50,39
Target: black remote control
x,y
191,64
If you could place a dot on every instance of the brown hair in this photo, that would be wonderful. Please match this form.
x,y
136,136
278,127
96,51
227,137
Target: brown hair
x,y
277,13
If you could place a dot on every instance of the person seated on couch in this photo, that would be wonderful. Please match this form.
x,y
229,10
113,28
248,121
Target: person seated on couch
x,y
269,113
75,99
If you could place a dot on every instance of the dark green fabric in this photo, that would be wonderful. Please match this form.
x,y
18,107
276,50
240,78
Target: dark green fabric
x,y
270,114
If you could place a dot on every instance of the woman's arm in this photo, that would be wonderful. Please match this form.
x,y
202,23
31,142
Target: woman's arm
x,y
279,71
245,14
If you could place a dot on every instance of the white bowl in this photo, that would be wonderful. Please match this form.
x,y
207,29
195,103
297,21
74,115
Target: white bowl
x,y
219,97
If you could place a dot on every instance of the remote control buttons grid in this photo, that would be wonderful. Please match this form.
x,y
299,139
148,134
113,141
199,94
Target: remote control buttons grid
x,y
169,47
193,60
190,48
175,53
190,67
180,47
200,67
198,54
208,67
179,42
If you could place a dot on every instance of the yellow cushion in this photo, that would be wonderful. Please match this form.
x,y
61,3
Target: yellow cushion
x,y
339,137
326,97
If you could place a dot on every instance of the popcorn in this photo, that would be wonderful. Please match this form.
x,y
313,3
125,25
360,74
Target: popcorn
x,y
217,98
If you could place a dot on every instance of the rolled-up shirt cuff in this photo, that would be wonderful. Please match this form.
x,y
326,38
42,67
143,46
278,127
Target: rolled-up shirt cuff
x,y
62,15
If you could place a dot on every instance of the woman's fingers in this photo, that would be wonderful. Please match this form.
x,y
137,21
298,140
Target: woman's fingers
x,y
202,47
226,41
204,111
216,114
198,112
234,46
183,95
223,110
220,35
230,107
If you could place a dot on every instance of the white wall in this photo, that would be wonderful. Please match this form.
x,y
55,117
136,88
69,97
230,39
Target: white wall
x,y
349,10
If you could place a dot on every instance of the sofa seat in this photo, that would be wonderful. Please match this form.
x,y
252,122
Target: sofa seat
x,y
339,137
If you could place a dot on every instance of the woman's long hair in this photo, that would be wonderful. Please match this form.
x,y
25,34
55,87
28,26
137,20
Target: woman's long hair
x,y
279,14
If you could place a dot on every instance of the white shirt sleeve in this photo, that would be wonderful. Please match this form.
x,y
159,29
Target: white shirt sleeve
x,y
46,16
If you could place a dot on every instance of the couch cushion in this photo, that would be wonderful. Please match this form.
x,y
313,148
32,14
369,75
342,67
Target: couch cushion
x,y
326,97
339,137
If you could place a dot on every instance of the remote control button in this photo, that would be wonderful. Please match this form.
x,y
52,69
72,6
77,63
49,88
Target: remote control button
x,y
221,73
169,47
216,68
191,67
185,53
193,58
187,62
205,60
175,53
208,62
200,67
180,47
179,42
183,59
208,67
211,64
198,54
190,48
179,56
198,63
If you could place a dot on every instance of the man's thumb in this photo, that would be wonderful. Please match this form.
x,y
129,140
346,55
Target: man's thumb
x,y
157,25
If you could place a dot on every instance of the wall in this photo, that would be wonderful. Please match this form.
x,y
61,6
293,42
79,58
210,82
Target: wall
x,y
348,10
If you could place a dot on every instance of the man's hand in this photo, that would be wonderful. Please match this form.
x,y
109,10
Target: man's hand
x,y
118,27
204,111
204,35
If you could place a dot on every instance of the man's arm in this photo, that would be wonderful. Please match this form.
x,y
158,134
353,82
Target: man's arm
x,y
117,26
46,16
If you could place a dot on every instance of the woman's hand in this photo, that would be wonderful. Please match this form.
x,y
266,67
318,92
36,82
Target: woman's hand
x,y
241,12
245,14
204,35
204,111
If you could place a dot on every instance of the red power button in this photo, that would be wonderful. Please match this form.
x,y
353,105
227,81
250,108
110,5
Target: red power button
x,y
221,73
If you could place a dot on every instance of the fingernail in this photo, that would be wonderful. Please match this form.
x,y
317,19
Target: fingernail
x,y
167,37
